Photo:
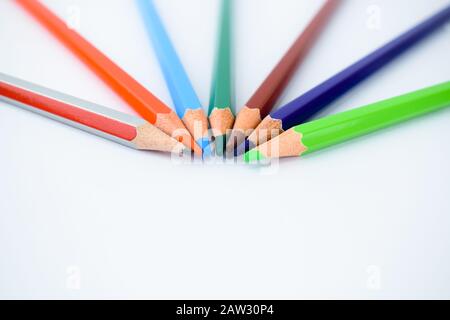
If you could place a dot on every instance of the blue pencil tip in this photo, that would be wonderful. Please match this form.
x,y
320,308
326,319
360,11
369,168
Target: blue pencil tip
x,y
205,144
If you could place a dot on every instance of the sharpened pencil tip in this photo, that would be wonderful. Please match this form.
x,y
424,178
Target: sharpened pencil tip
x,y
205,144
197,150
189,142
254,156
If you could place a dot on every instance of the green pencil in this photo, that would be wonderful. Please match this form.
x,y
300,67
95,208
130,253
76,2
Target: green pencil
x,y
316,135
221,111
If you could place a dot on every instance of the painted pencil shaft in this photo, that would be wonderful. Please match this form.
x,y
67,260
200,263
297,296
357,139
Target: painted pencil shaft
x,y
185,100
265,97
221,109
315,100
222,80
270,90
139,98
316,135
110,124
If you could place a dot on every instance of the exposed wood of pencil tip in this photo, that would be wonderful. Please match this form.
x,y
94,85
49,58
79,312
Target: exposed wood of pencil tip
x,y
151,138
246,120
102,121
196,122
221,121
288,144
268,129
172,125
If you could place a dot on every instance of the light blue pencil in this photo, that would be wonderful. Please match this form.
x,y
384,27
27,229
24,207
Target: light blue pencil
x,y
186,101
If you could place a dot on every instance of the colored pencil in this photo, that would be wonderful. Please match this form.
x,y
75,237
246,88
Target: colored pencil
x,y
315,100
145,103
316,135
125,129
221,109
265,97
185,99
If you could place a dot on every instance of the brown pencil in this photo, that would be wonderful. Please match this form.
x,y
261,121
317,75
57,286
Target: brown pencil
x,y
265,97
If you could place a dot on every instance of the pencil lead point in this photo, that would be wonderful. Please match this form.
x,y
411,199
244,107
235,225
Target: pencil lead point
x,y
205,144
197,150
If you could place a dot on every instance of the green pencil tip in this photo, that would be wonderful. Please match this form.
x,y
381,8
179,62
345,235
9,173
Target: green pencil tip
x,y
254,156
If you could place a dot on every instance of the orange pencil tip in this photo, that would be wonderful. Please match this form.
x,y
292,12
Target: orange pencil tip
x,y
189,142
197,150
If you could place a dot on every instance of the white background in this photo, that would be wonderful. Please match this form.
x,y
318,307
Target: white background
x,y
82,217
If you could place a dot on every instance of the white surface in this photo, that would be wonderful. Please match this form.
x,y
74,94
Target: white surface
x,y
368,219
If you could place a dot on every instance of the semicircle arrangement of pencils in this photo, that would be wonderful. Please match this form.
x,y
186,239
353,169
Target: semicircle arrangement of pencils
x,y
256,131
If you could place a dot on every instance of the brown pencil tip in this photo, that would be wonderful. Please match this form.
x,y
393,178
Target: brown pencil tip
x,y
246,120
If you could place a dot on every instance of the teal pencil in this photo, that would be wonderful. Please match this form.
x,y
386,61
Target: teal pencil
x,y
221,109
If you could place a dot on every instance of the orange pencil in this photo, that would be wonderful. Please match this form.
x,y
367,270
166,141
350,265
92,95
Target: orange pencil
x,y
140,99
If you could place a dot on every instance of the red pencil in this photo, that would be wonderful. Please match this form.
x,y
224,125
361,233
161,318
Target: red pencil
x,y
125,129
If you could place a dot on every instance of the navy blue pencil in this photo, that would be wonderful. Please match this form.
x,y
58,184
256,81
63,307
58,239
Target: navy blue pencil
x,y
304,107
